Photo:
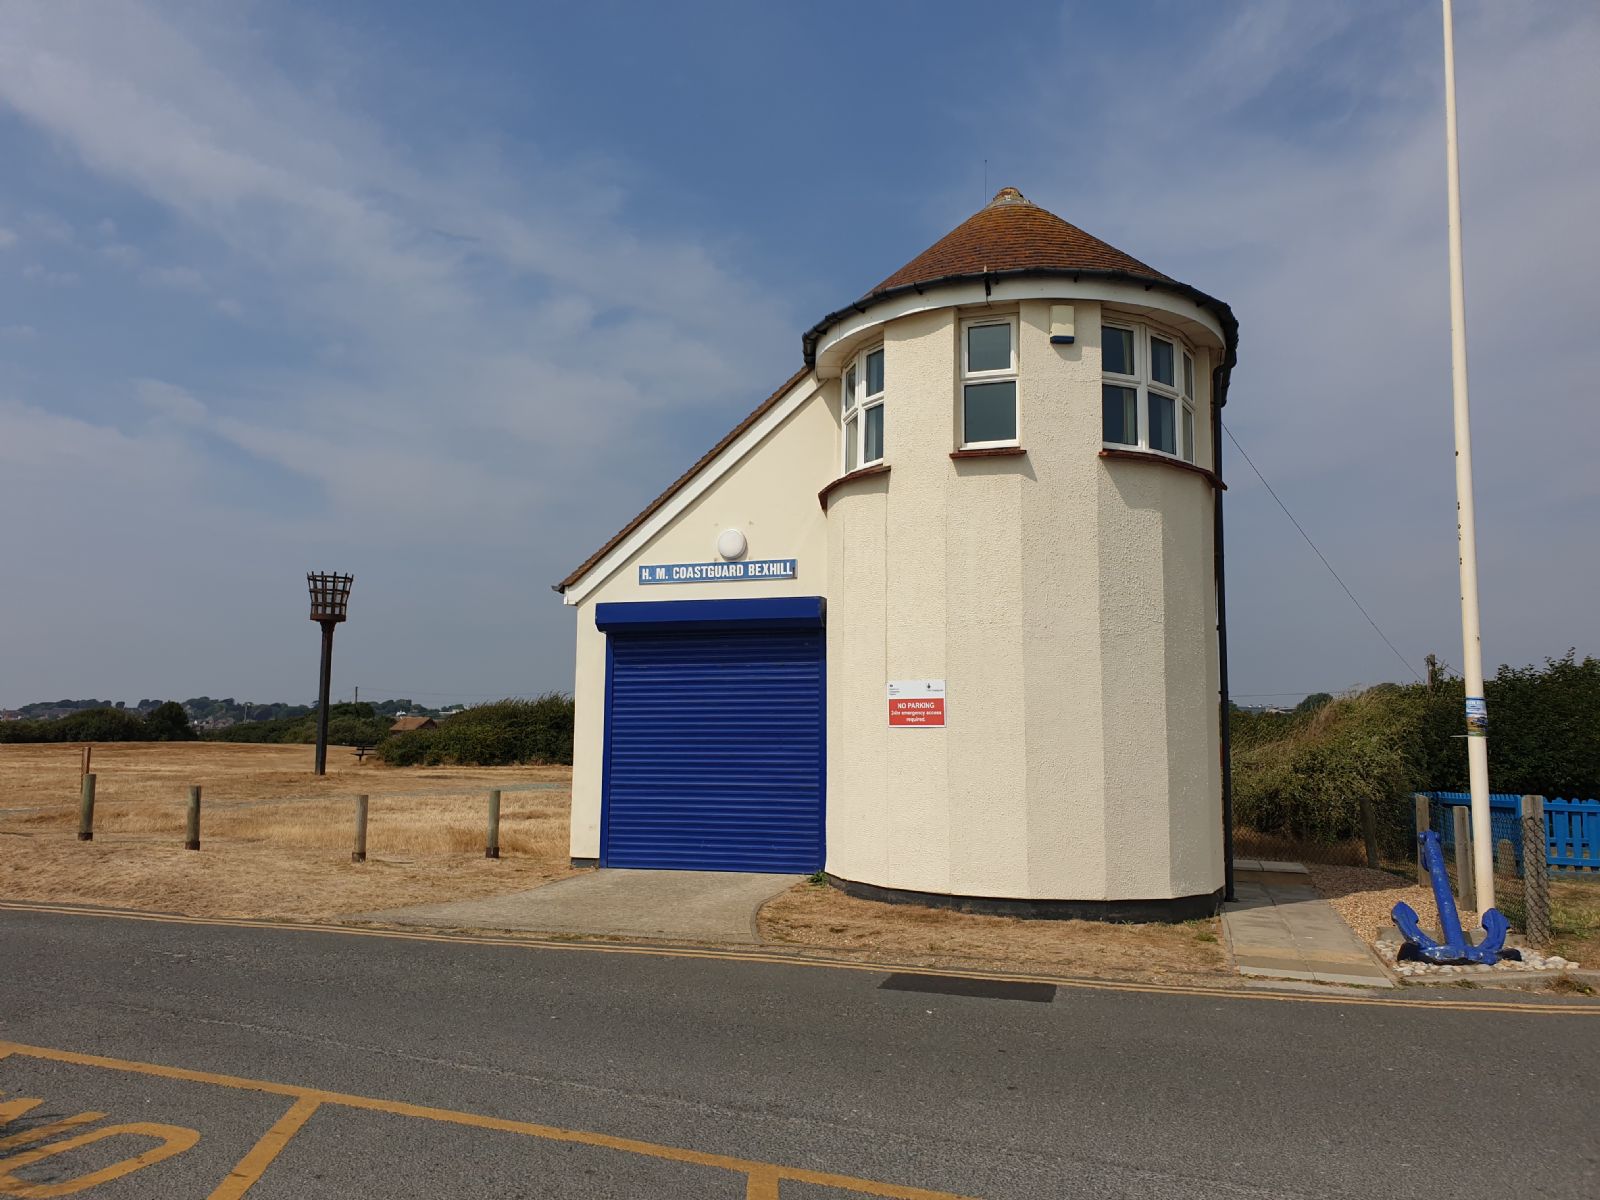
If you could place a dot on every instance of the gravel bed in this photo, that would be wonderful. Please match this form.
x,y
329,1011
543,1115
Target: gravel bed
x,y
1366,898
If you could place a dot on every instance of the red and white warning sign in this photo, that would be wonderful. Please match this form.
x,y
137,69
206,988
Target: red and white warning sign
x,y
916,704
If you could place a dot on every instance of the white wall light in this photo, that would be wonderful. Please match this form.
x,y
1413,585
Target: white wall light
x,y
731,544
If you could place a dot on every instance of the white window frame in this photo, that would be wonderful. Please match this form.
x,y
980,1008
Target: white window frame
x,y
852,418
1145,386
1186,432
968,375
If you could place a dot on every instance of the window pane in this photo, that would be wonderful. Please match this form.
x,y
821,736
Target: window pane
x,y
990,412
849,389
850,445
1119,419
875,372
874,434
989,348
1161,362
1116,350
1188,434
1162,435
1188,376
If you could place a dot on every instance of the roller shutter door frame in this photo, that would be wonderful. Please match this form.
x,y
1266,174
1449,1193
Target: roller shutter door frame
x,y
715,735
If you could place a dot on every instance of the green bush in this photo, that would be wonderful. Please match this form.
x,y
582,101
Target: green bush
x,y
348,725
1304,774
103,725
490,735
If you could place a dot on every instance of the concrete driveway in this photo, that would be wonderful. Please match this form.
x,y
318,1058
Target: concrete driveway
x,y
692,906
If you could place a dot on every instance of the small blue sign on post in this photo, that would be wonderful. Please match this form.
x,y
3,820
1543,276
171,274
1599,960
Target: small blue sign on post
x,y
718,572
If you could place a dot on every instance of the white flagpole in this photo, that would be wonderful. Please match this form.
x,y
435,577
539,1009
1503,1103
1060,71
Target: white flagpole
x,y
1471,641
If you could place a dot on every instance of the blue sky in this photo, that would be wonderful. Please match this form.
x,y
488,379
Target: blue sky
x,y
443,294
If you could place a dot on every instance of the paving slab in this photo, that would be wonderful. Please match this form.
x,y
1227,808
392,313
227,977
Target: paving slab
x,y
1280,927
694,906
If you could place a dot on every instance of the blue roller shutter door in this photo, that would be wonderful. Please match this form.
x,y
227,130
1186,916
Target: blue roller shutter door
x,y
715,750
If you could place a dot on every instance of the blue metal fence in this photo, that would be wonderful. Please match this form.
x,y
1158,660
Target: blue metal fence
x,y
1572,827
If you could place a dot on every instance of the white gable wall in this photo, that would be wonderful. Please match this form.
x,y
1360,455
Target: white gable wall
x,y
771,495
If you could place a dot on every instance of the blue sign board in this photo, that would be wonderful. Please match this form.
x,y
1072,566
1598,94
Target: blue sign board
x,y
718,572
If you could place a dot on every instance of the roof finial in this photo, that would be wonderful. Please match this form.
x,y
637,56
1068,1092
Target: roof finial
x,y
1008,195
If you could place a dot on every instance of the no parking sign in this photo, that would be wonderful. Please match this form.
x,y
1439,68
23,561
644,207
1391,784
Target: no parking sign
x,y
916,704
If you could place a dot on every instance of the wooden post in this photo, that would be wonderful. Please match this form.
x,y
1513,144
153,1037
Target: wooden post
x,y
86,811
359,854
1423,820
1466,895
191,833
88,751
1535,872
491,848
1369,831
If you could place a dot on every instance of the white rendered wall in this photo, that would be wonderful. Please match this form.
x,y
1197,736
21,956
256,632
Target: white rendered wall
x,y
1067,602
772,496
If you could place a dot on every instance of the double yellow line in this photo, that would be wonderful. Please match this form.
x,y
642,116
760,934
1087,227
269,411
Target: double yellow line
x,y
1529,1007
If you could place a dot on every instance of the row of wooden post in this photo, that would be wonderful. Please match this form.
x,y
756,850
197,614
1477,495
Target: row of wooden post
x,y
191,828
1535,864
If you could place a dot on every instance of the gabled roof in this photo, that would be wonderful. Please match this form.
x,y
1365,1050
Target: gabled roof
x,y
682,481
1009,237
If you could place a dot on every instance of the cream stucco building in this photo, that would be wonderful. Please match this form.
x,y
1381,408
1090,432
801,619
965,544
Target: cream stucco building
x,y
940,617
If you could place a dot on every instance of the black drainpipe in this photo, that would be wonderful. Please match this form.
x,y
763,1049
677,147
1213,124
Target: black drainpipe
x,y
1218,383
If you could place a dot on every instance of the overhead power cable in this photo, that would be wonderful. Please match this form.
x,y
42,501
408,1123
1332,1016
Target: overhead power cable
x,y
1245,455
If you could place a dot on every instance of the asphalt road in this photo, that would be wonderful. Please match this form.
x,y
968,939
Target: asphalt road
x,y
327,1064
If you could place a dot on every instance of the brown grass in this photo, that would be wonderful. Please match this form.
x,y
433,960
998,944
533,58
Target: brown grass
x,y
275,839
819,916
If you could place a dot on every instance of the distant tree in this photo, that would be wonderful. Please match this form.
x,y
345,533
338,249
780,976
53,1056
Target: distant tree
x,y
169,723
1313,702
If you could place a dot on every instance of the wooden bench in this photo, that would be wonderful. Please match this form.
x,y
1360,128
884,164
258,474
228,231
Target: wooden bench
x,y
361,752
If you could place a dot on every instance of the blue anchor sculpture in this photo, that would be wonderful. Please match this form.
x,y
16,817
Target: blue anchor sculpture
x,y
1455,948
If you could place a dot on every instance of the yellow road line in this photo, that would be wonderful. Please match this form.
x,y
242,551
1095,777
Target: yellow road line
x,y
174,1139
781,959
251,1166
315,1097
9,1112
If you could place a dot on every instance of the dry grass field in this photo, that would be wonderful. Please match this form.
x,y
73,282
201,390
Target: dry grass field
x,y
275,839
822,917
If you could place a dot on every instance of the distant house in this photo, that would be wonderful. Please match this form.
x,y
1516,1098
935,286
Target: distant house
x,y
407,724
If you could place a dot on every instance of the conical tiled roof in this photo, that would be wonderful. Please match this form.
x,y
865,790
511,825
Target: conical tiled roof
x,y
1009,237
1011,233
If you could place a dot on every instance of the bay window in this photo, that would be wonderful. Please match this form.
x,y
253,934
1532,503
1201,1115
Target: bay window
x,y
1146,390
862,410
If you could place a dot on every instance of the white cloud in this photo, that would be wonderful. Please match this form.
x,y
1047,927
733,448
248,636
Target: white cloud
x,y
1325,230
18,333
170,401
182,279
8,237
444,351
40,274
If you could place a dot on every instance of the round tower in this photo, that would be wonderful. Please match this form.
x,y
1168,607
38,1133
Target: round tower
x,y
1022,524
